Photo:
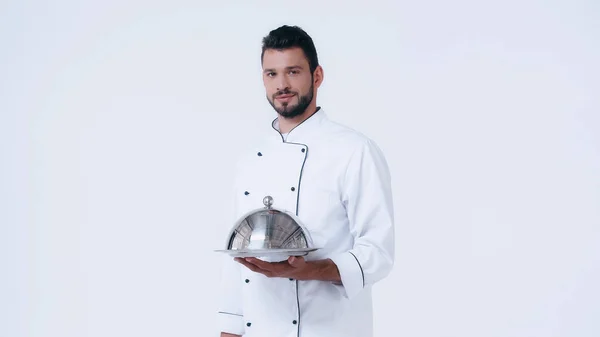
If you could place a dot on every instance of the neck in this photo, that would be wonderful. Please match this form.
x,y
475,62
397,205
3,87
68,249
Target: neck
x,y
287,124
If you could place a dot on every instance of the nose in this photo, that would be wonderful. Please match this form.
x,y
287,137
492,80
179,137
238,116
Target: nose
x,y
282,83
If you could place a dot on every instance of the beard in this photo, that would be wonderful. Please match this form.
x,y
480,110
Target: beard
x,y
288,110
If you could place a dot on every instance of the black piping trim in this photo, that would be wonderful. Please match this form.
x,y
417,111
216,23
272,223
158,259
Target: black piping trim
x,y
298,304
361,270
297,199
228,313
297,208
300,178
283,140
273,122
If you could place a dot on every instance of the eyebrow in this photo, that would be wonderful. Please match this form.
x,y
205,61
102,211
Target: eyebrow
x,y
286,68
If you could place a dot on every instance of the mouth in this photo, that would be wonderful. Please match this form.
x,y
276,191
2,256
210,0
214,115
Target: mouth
x,y
284,98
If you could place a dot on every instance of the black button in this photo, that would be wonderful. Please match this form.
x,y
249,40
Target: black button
x,y
303,150
247,280
259,154
246,193
291,279
295,322
293,189
248,324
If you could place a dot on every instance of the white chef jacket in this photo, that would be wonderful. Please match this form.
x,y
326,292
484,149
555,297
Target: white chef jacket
x,y
336,181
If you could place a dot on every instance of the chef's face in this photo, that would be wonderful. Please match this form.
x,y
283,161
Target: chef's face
x,y
288,81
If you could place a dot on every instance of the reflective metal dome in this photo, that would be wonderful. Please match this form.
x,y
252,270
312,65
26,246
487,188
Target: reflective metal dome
x,y
269,230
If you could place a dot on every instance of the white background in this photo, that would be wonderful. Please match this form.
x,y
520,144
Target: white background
x,y
119,121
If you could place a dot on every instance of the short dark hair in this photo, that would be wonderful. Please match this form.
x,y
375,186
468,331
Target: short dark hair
x,y
286,37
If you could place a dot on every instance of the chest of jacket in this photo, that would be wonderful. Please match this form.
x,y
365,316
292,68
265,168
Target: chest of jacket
x,y
305,180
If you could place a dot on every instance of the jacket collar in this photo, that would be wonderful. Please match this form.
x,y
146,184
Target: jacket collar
x,y
301,131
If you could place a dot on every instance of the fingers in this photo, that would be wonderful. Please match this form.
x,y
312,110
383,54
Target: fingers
x,y
269,269
253,267
262,264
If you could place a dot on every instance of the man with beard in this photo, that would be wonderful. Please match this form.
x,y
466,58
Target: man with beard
x,y
337,183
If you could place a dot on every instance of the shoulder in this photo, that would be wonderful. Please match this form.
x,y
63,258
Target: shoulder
x,y
362,155
343,136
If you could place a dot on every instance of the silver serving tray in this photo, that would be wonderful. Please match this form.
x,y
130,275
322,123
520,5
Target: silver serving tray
x,y
267,252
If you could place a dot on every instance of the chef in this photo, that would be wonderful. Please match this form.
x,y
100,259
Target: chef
x,y
336,181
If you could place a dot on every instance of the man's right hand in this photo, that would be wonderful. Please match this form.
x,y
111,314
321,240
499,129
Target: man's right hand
x,y
225,334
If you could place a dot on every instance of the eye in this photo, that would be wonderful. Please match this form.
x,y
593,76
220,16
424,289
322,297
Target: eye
x,y
270,74
293,72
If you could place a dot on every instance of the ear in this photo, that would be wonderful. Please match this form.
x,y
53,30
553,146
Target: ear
x,y
318,76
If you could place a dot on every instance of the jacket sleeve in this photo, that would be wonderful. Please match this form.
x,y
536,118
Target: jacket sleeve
x,y
230,316
367,196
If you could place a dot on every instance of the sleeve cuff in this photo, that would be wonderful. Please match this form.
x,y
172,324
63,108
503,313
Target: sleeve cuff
x,y
231,323
351,273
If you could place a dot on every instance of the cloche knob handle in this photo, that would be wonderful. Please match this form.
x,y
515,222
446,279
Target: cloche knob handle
x,y
268,201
